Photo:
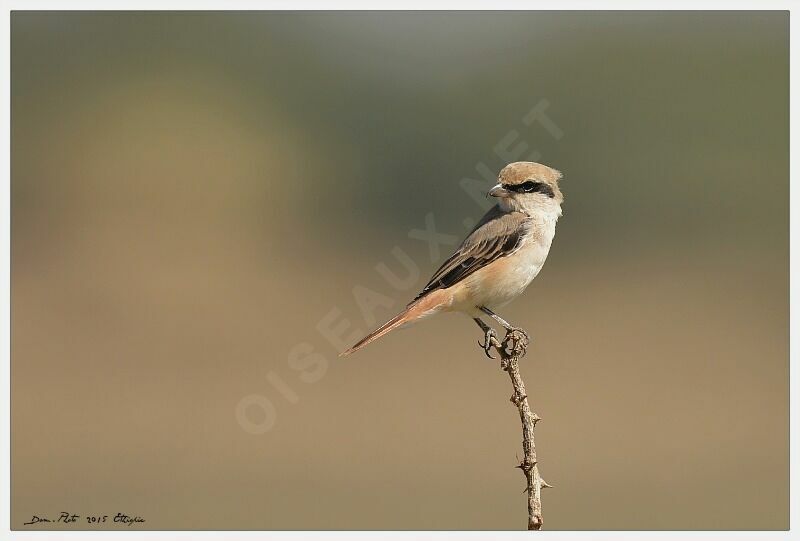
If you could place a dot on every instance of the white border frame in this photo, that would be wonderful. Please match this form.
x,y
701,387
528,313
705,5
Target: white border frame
x,y
162,5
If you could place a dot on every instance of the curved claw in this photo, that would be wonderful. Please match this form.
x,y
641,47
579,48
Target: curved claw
x,y
489,339
486,348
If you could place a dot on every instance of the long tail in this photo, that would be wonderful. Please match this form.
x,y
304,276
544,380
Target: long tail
x,y
427,305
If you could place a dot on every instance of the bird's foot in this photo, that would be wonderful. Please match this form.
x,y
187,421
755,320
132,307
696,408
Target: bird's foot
x,y
516,341
489,341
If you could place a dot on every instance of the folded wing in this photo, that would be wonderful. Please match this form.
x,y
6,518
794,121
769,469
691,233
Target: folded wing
x,y
497,235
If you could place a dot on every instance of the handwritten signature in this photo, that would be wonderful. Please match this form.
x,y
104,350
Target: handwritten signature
x,y
71,518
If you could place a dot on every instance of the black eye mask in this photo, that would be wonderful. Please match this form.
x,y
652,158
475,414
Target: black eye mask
x,y
531,186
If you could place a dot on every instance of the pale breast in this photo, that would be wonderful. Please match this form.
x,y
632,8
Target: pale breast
x,y
504,279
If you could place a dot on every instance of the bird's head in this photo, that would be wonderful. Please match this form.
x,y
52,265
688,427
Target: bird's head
x,y
529,187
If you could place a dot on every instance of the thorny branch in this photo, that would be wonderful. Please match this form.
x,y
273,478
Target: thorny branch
x,y
511,349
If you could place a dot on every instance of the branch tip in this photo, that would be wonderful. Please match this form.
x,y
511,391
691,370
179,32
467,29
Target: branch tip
x,y
511,349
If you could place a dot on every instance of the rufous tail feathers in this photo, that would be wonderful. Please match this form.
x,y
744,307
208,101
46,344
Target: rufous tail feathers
x,y
427,305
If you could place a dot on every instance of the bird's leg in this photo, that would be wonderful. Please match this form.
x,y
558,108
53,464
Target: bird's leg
x,y
519,336
489,337
506,325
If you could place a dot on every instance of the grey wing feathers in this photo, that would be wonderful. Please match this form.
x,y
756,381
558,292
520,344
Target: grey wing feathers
x,y
497,235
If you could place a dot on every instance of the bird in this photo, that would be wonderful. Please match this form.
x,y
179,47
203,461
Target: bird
x,y
497,260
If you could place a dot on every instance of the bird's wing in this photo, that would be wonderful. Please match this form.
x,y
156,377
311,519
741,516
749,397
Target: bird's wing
x,y
497,235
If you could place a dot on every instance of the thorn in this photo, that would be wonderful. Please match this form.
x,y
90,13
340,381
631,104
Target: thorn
x,y
544,484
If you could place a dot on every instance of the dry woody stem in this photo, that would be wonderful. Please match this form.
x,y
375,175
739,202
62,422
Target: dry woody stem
x,y
512,348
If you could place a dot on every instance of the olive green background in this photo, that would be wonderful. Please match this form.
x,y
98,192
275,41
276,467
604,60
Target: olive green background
x,y
195,195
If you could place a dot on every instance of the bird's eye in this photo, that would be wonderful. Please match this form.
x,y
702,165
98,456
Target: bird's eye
x,y
528,186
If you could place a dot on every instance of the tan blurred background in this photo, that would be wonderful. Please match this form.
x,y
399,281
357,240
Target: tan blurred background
x,y
192,194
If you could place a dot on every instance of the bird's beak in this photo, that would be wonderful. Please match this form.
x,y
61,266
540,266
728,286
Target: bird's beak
x,y
498,191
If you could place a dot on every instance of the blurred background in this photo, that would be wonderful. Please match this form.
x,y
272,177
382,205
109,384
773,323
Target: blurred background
x,y
200,202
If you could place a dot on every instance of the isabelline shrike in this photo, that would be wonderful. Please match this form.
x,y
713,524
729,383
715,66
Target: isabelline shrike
x,y
498,259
